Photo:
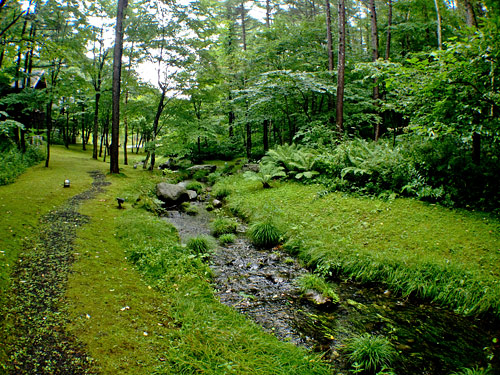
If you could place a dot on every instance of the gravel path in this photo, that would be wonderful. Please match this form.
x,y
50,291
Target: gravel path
x,y
37,308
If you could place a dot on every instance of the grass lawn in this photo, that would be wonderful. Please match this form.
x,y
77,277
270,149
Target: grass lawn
x,y
448,256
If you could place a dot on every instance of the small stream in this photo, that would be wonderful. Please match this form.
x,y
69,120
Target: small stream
x,y
260,284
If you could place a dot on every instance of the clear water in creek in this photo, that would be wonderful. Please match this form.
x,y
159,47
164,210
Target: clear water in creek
x,y
260,284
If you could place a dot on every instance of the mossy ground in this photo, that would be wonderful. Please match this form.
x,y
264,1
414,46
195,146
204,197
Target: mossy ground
x,y
448,256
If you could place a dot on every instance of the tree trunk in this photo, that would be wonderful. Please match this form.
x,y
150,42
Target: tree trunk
x,y
375,54
243,26
268,14
95,131
470,14
438,17
341,70
265,135
49,130
249,140
330,55
389,32
117,65
159,111
125,136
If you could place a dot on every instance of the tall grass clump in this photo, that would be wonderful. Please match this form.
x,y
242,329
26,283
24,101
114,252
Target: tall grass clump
x,y
227,238
264,234
200,245
314,282
223,225
370,353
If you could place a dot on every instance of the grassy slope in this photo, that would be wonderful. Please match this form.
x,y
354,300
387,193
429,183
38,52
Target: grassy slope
x,y
441,254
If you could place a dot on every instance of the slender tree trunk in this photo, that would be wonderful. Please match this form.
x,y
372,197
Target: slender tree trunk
x,y
329,40
83,129
249,140
95,131
159,111
265,135
389,32
243,26
375,55
341,69
438,17
125,123
117,65
268,14
49,130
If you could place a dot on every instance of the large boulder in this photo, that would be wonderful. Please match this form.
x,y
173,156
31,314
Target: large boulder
x,y
170,194
209,168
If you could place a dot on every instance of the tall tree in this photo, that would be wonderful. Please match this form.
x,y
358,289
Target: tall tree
x,y
439,30
341,69
117,67
389,31
375,55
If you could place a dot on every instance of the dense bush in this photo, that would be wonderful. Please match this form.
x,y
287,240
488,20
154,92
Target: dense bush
x,y
435,170
13,162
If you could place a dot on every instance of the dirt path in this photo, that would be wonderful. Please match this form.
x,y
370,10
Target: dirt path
x,y
41,346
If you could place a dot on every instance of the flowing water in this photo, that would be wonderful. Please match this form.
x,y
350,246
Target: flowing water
x,y
261,285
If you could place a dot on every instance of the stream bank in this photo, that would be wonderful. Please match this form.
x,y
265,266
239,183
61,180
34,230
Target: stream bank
x,y
261,284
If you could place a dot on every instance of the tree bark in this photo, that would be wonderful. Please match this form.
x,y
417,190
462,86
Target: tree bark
x,y
268,14
389,32
117,65
470,14
49,130
375,54
243,26
159,111
341,70
265,135
438,18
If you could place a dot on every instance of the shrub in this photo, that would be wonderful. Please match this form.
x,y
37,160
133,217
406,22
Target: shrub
x,y
264,234
196,186
201,244
227,238
224,225
13,162
370,352
311,281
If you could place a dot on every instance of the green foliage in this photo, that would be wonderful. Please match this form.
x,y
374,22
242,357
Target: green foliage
x,y
265,234
227,239
319,284
296,161
473,371
196,186
201,245
221,192
267,172
223,225
13,162
370,353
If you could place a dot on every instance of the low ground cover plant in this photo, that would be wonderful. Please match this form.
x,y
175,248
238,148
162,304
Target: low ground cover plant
x,y
264,234
314,282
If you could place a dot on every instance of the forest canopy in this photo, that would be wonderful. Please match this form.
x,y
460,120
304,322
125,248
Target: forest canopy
x,y
396,96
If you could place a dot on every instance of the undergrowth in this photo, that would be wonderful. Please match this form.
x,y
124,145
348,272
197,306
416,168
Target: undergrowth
x,y
13,162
